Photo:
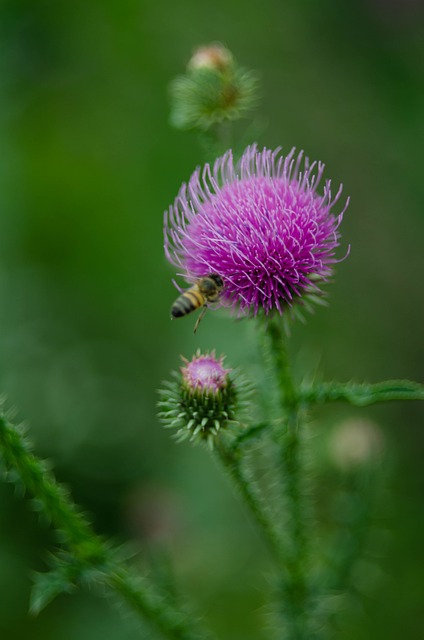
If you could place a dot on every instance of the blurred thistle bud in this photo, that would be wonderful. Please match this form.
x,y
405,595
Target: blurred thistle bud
x,y
356,442
201,400
213,89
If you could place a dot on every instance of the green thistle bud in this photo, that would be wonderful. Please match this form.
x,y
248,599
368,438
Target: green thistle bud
x,y
201,401
213,89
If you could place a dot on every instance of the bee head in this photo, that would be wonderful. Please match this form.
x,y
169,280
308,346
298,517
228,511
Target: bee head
x,y
217,279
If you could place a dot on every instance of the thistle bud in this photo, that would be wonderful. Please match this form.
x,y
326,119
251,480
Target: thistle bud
x,y
202,400
213,89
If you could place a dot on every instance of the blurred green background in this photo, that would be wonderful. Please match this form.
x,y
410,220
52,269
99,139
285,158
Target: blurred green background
x,y
88,163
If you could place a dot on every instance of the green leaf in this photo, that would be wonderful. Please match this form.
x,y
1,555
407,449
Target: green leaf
x,y
364,394
47,586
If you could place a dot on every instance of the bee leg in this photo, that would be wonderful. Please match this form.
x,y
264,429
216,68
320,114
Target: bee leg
x,y
201,314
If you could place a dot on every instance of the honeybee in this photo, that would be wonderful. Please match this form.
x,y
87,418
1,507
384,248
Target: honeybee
x,y
205,290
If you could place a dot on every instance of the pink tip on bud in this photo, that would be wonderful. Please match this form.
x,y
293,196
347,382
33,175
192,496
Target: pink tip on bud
x,y
205,372
214,57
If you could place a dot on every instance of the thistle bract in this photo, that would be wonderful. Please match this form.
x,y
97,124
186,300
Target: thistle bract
x,y
200,401
261,224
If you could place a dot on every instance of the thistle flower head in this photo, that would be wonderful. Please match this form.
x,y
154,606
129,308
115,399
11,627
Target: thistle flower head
x,y
202,400
262,224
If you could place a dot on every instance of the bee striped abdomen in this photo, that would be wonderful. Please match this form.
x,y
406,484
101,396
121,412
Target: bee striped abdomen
x,y
187,302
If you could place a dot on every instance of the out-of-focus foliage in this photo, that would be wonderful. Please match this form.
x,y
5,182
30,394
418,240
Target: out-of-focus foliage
x,y
88,163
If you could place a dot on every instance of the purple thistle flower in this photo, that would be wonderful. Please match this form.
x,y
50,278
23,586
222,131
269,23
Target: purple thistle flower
x,y
260,225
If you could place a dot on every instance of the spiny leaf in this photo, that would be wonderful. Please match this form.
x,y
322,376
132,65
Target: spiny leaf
x,y
47,586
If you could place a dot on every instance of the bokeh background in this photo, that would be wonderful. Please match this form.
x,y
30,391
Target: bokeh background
x,y
88,163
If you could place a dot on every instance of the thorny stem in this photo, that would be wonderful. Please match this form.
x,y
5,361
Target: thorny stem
x,y
86,547
281,365
172,622
294,589
229,458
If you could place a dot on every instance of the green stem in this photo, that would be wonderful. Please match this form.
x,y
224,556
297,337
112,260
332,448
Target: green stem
x,y
88,549
231,462
362,394
294,588
216,140
281,366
